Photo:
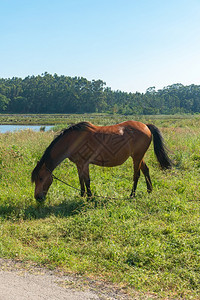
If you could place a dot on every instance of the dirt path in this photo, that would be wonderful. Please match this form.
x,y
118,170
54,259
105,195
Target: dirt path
x,y
19,281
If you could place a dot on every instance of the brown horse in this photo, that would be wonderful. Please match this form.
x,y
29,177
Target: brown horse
x,y
105,146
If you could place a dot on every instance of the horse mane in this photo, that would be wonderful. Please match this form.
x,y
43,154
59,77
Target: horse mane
x,y
82,126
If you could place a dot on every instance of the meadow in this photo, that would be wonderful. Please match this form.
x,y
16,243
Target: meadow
x,y
149,244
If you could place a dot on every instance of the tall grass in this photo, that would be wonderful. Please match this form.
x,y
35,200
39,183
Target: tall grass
x,y
150,243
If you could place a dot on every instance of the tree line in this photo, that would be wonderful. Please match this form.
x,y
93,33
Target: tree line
x,y
48,93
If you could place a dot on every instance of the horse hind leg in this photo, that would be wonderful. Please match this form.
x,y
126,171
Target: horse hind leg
x,y
145,171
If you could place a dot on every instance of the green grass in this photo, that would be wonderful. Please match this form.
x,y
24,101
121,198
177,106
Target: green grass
x,y
150,243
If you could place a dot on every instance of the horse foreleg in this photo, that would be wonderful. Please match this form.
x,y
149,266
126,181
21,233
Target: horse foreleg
x,y
136,176
84,178
81,180
87,180
145,171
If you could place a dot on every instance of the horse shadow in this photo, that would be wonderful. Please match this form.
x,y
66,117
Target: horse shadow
x,y
64,209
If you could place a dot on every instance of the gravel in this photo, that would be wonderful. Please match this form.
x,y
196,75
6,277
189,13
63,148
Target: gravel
x,y
23,281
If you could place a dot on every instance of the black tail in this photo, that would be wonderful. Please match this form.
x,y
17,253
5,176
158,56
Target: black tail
x,y
159,148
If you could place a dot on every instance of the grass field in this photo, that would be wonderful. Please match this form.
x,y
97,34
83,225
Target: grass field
x,y
150,244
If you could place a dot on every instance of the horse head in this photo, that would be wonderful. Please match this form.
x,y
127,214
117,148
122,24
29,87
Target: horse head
x,y
43,179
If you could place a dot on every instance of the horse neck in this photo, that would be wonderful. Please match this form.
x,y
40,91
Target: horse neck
x,y
59,151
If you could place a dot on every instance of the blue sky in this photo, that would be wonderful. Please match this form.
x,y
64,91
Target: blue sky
x,y
131,45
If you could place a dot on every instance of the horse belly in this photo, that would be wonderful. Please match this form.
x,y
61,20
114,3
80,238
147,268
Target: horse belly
x,y
105,159
109,163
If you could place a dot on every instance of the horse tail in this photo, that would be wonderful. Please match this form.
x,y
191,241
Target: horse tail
x,y
160,148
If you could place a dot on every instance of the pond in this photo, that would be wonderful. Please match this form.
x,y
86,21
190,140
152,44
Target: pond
x,y
12,128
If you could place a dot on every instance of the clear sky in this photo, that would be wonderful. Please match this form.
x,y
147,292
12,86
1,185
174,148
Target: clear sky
x,y
130,44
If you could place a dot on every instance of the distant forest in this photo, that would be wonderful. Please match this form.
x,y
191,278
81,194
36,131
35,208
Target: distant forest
x,y
48,93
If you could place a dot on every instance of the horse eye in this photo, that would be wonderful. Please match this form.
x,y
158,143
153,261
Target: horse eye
x,y
40,179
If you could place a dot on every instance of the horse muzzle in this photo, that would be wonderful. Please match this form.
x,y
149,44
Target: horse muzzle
x,y
40,198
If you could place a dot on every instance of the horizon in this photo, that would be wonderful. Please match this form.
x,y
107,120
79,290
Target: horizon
x,y
106,86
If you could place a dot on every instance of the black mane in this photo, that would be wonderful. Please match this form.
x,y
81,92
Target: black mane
x,y
46,156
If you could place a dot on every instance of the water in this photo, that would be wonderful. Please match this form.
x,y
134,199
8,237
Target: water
x,y
12,128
